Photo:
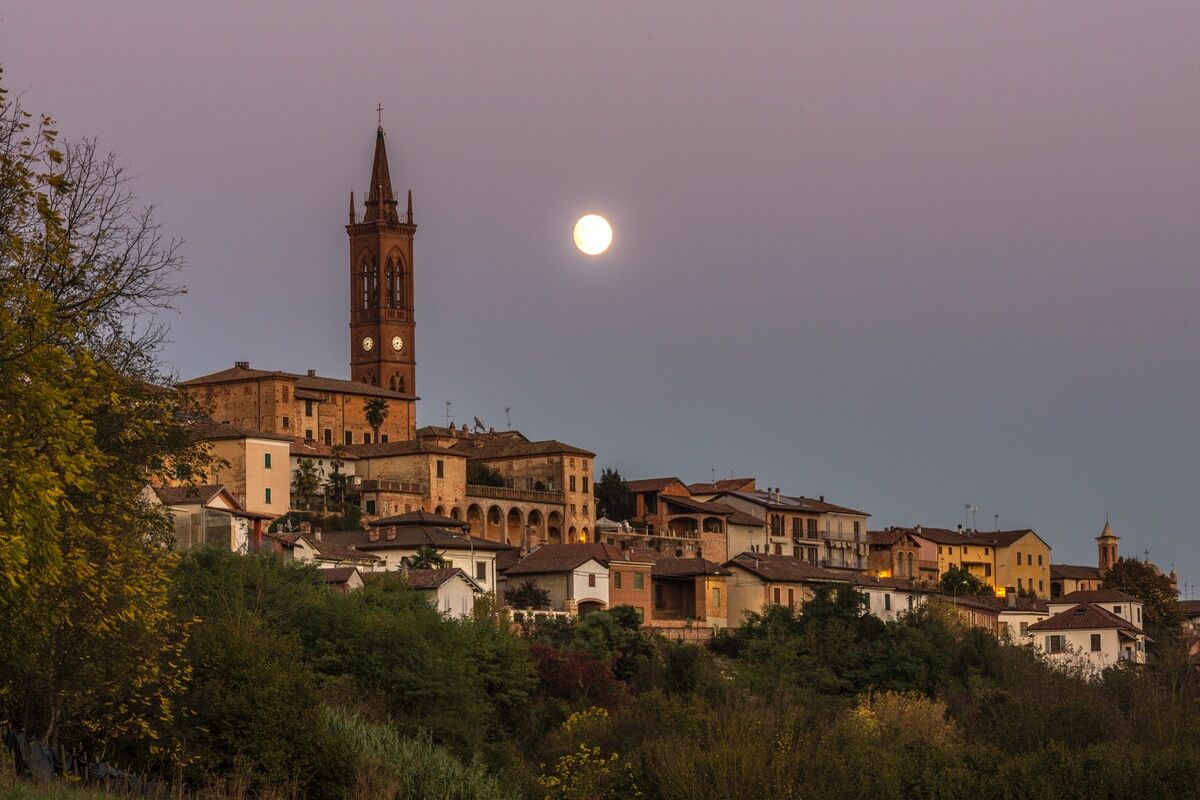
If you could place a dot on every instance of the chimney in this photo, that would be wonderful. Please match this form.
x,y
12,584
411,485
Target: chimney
x,y
918,527
241,364
822,498
1012,599
312,373
317,534
391,534
373,535
306,527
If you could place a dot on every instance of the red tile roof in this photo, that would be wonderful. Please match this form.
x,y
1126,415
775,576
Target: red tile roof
x,y
1095,596
1084,616
792,503
697,506
402,448
651,484
783,569
337,575
421,518
568,557
302,382
433,578
1074,572
723,485
206,430
686,568
489,447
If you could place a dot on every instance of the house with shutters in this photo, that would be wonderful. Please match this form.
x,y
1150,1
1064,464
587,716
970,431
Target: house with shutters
x,y
1092,630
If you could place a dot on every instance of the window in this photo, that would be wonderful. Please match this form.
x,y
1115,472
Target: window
x,y
266,460
383,438
1019,586
287,423
587,485
370,507
796,527
284,393
1018,558
796,551
481,570
572,480
572,462
887,602
616,580
716,598
308,408
1039,559
1139,616
1041,586
857,527
1024,628
529,484
441,468
591,579
777,596
1055,644
778,549
791,598
639,581
308,434
812,529
939,549
1116,609
268,495
1095,643
349,437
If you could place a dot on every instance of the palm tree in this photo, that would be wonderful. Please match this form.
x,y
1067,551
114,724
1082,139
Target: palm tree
x,y
377,414
306,483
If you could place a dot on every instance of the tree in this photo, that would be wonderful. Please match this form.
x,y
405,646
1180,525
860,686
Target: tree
x,y
89,651
426,557
1164,619
956,581
376,413
306,483
613,499
528,595
480,474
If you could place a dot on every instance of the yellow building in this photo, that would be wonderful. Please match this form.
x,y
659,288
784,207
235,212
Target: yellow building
x,y
254,467
1008,561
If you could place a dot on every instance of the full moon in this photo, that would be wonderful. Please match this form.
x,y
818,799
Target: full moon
x,y
593,234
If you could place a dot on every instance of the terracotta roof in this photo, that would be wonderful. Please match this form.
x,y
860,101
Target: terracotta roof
x,y
1190,608
698,506
742,518
300,381
206,430
1022,605
723,485
1096,596
793,503
419,518
433,578
410,537
337,575
337,550
567,557
403,448
189,494
783,569
1000,538
651,484
872,582
1074,572
311,448
686,568
935,535
489,446
1084,616
442,432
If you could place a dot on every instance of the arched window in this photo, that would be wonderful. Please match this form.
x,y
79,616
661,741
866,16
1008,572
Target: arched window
x,y
398,289
366,277
400,385
391,284
374,284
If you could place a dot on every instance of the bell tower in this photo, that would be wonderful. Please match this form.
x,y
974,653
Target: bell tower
x,y
1107,542
381,290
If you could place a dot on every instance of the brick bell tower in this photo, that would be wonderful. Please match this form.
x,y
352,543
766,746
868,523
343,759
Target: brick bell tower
x,y
381,290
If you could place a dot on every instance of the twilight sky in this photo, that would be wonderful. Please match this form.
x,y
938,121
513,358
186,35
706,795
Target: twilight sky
x,y
904,255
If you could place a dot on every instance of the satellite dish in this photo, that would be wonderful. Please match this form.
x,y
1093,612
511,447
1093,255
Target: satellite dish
x,y
479,426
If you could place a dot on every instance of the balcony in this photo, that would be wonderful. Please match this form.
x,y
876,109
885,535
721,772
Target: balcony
x,y
519,495
399,487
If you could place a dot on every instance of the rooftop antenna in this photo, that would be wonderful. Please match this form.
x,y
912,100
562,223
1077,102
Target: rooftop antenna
x,y
1147,554
508,417
997,518
447,413
714,474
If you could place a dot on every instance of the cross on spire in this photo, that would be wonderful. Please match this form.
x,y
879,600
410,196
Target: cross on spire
x,y
379,110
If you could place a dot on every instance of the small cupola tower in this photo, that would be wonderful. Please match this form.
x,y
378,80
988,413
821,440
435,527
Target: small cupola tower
x,y
1107,542
381,283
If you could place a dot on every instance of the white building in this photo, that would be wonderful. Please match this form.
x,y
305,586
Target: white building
x,y
1092,629
571,573
449,590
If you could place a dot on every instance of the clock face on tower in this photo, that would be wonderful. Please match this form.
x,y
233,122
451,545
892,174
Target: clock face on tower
x,y
368,343
397,343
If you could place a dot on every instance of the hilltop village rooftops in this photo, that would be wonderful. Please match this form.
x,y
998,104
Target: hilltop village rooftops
x,y
567,557
434,578
1074,572
1096,596
311,448
207,430
310,381
652,484
425,518
723,485
409,537
410,447
956,537
686,568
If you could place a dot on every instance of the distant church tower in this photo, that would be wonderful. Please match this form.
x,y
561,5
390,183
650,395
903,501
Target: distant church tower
x,y
381,285
1107,541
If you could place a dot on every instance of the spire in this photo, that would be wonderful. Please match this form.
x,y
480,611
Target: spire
x,y
352,208
381,203
410,216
